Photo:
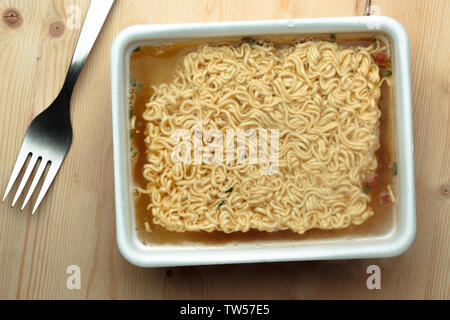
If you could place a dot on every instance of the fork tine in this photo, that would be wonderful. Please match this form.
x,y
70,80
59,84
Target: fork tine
x,y
21,158
33,185
52,171
25,178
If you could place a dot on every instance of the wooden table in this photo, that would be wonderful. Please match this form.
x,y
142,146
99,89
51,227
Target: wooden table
x,y
76,222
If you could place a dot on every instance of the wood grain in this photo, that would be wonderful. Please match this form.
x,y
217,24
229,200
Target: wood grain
x,y
76,225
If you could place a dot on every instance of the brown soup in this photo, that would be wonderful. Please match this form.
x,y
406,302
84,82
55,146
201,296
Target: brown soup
x,y
153,65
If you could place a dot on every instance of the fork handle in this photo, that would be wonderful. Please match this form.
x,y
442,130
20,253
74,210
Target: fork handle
x,y
95,17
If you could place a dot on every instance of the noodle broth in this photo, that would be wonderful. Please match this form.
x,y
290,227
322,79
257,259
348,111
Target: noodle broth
x,y
153,65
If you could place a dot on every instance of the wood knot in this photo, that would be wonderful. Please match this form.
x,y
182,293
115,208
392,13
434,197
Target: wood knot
x,y
12,18
445,190
56,29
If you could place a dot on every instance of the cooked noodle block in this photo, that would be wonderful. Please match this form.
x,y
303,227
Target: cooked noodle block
x,y
322,99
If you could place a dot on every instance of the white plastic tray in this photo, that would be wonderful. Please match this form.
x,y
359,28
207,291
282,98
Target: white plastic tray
x,y
391,243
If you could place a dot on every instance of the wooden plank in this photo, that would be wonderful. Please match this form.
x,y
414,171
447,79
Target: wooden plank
x,y
75,224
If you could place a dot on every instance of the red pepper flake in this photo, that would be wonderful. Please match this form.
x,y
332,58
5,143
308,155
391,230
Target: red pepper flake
x,y
385,198
381,58
371,180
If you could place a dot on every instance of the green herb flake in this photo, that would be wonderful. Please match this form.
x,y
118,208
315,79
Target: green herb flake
x,y
145,243
138,124
333,38
132,82
221,203
132,111
366,189
394,168
139,86
229,190
387,73
375,42
137,49
131,135
249,40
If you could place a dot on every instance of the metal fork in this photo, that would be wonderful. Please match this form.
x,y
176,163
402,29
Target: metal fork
x,y
49,135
